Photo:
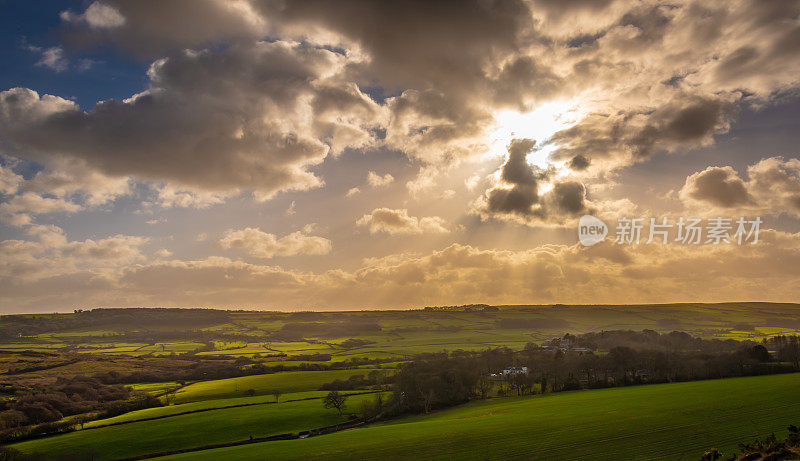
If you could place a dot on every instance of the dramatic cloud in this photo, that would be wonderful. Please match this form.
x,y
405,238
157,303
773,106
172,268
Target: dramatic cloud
x,y
507,119
263,245
393,222
719,186
151,29
683,61
517,198
252,117
625,137
517,173
773,188
452,40
457,273
652,77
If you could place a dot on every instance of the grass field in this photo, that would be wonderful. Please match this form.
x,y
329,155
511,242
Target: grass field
x,y
155,388
190,430
292,381
404,333
669,421
169,410
650,422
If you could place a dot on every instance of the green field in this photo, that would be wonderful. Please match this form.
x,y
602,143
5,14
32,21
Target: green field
x,y
665,421
155,388
404,333
291,381
190,430
169,410
674,421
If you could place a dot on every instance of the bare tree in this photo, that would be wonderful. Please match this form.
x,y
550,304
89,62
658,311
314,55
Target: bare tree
x,y
335,400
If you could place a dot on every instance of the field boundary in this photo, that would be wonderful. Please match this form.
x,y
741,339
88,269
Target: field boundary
x,y
272,438
201,410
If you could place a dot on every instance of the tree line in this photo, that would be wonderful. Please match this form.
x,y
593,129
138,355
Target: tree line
x,y
617,358
43,409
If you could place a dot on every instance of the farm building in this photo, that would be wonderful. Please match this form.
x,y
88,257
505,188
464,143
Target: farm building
x,y
515,371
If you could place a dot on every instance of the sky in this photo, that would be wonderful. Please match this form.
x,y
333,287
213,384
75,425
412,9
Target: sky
x,y
260,154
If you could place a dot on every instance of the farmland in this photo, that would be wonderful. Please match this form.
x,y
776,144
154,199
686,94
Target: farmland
x,y
667,421
276,337
188,430
201,377
262,384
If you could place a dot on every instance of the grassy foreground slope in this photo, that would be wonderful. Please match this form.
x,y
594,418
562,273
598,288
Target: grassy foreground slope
x,y
207,405
187,431
666,421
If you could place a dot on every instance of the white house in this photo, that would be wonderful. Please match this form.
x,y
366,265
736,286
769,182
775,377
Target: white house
x,y
515,371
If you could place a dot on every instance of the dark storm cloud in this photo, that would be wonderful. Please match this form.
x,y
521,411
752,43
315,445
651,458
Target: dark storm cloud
x,y
578,163
569,197
517,196
516,172
153,28
524,79
455,63
448,67
720,186
772,187
415,43
252,117
636,135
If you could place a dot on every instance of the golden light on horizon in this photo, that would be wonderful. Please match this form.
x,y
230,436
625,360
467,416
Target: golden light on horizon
x,y
293,155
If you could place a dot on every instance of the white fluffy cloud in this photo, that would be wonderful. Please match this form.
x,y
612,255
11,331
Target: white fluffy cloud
x,y
260,244
18,210
51,255
98,15
391,221
168,196
62,186
605,273
74,179
9,180
376,180
52,58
